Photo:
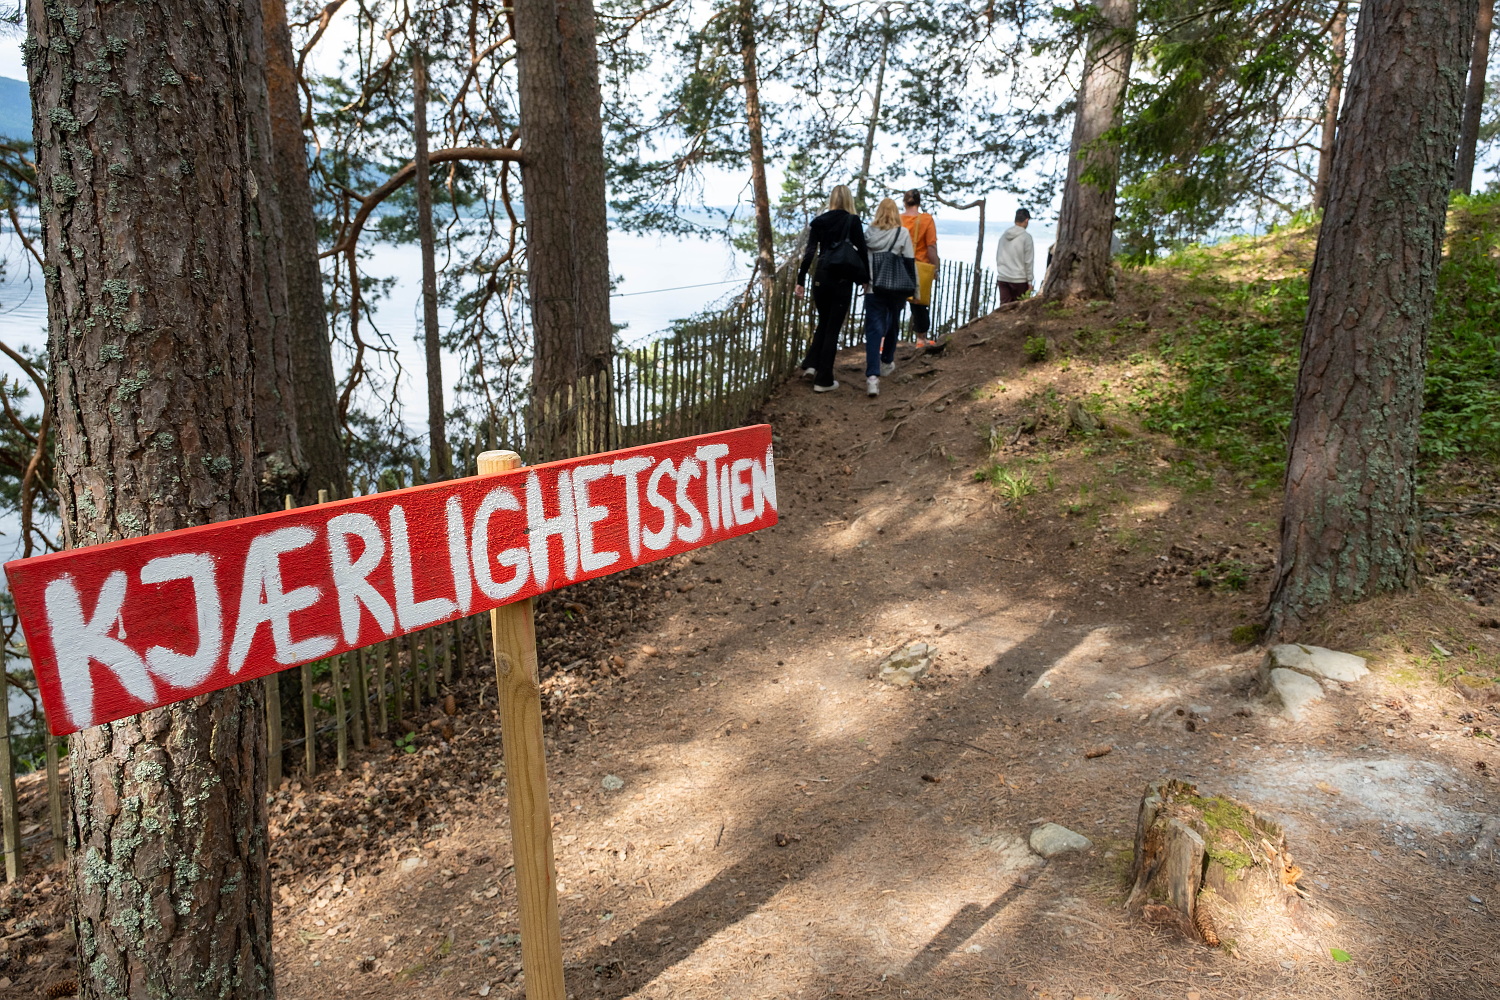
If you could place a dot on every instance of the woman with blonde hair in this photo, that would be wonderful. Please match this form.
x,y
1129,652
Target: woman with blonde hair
x,y
837,239
893,277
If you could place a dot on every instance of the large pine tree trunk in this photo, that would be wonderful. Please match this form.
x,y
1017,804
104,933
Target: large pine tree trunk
x,y
567,248
1337,33
169,349
1349,522
1081,259
765,240
1479,64
315,389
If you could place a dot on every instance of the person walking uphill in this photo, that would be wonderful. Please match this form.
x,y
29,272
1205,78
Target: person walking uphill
x,y
1015,262
923,232
893,277
837,238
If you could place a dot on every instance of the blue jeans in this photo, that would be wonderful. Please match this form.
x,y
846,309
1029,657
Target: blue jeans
x,y
882,324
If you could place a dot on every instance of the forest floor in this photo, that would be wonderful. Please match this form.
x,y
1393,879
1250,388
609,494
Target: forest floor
x,y
791,826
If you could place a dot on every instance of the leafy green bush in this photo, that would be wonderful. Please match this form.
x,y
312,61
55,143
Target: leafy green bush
x,y
1230,381
1231,377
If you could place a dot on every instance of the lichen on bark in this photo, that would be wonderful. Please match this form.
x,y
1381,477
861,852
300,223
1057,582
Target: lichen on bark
x,y
167,323
1349,523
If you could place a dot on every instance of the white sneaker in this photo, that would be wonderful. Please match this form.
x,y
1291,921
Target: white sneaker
x,y
809,373
826,388
887,367
872,386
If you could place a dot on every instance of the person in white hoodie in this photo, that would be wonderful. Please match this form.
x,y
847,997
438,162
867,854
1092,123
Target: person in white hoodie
x,y
886,237
1015,262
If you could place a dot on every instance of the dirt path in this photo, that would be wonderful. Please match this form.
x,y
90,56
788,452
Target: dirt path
x,y
790,827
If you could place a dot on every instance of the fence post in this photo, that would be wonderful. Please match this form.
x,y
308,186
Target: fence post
x,y
382,655
54,800
361,716
340,720
10,819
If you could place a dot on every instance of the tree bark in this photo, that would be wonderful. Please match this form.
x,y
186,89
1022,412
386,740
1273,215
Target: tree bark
x,y
567,247
1081,259
437,432
1337,35
1479,64
315,388
170,348
869,153
765,240
1349,522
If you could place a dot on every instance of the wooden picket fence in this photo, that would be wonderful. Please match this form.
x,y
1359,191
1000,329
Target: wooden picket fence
x,y
711,373
715,369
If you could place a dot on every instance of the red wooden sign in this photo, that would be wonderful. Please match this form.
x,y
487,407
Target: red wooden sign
x,y
119,628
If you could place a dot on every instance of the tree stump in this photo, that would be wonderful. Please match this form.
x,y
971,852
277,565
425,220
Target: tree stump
x,y
1204,863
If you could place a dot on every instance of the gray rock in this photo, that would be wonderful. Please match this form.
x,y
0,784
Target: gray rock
x,y
907,665
1296,692
1049,840
612,783
1315,661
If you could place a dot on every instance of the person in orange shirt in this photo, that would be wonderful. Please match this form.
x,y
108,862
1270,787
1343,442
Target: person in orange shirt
x,y
923,232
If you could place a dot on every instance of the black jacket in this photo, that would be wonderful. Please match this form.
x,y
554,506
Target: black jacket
x,y
826,230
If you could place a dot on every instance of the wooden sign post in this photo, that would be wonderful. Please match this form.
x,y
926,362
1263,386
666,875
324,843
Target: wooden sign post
x,y
518,681
116,629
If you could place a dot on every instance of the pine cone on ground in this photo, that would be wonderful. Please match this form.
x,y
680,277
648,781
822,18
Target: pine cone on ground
x,y
1204,921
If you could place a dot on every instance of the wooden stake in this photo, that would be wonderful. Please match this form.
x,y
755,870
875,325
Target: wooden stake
x,y
398,691
362,722
10,819
273,732
54,801
340,716
432,636
526,775
413,645
273,718
384,654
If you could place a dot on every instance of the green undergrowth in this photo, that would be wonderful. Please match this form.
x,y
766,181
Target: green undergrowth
x,y
1223,379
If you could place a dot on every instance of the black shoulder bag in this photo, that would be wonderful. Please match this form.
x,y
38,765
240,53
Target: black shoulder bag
x,y
844,261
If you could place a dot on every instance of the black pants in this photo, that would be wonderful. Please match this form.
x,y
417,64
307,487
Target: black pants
x,y
831,299
921,319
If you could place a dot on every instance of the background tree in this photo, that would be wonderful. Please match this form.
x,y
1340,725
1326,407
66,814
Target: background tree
x,y
1479,64
1081,257
567,249
1338,30
169,349
1349,524
1219,127
312,355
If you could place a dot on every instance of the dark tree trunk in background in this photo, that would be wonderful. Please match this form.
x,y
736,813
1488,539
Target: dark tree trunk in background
x,y
1337,35
765,240
1349,525
567,249
169,350
316,391
1479,64
437,431
1081,258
